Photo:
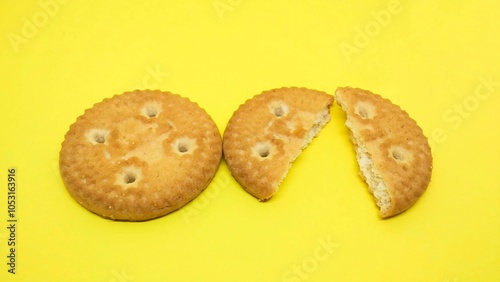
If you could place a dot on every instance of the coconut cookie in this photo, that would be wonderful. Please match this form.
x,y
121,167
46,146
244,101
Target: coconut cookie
x,y
268,132
140,155
392,152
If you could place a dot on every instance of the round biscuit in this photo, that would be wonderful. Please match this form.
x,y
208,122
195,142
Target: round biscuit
x,y
140,155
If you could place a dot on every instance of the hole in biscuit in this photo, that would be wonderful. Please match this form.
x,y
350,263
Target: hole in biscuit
x,y
362,113
398,156
264,152
151,109
129,178
151,112
99,138
278,111
182,147
365,111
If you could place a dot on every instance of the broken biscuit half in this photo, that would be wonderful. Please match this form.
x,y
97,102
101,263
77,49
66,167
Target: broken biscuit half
x,y
268,132
393,154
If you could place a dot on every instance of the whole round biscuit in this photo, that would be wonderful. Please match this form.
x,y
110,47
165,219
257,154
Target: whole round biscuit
x,y
140,155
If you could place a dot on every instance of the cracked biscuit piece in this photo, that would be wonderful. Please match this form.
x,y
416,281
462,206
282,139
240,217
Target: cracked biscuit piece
x,y
140,155
393,154
268,132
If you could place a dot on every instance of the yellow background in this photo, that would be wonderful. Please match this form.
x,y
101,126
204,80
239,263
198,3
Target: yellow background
x,y
439,60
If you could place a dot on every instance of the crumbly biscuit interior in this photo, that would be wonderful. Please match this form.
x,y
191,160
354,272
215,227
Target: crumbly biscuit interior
x,y
372,177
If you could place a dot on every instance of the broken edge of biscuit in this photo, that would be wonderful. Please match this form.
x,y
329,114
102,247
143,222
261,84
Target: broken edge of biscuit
x,y
393,155
320,120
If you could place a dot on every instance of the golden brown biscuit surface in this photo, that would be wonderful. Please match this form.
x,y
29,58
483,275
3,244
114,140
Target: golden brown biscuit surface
x,y
140,155
268,132
393,154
